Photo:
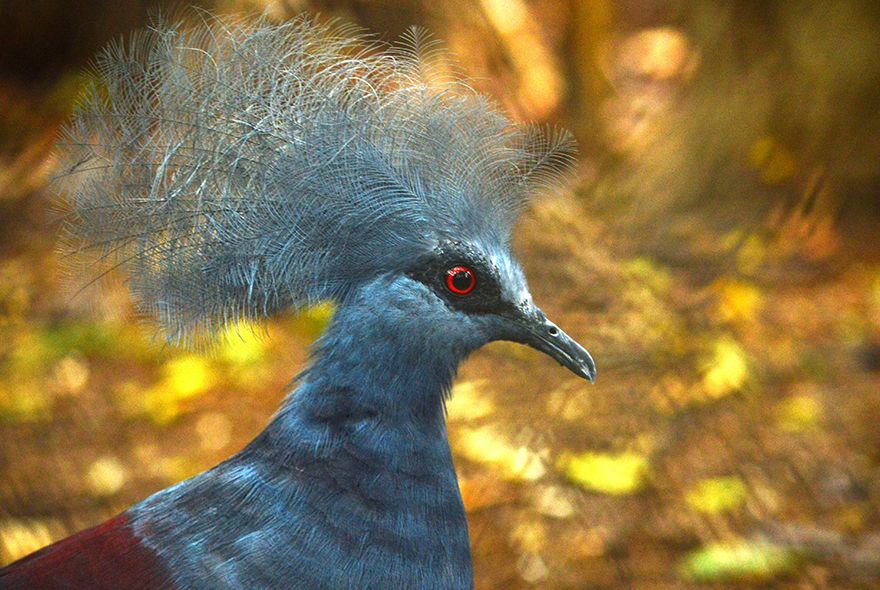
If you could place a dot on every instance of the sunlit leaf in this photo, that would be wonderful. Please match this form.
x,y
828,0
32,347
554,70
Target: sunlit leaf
x,y
485,445
739,561
241,346
726,370
717,495
532,568
70,375
737,301
607,473
469,402
751,255
186,376
24,401
775,162
529,536
799,413
554,501
183,378
649,273
660,53
312,321
106,476
22,537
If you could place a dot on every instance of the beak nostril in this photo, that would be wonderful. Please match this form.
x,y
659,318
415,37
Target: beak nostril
x,y
545,336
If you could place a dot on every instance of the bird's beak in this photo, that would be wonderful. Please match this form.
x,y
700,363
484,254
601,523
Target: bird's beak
x,y
532,328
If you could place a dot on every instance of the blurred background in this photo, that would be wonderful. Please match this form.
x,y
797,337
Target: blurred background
x,y
718,251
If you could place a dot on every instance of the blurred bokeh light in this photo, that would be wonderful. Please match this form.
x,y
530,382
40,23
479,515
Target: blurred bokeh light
x,y
717,250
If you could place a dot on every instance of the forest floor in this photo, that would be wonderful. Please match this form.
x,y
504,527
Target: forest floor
x,y
731,438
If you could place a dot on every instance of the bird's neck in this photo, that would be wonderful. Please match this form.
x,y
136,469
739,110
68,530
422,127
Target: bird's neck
x,y
376,384
372,365
364,439
356,463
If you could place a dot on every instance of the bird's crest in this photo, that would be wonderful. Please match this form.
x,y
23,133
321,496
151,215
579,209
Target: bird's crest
x,y
236,169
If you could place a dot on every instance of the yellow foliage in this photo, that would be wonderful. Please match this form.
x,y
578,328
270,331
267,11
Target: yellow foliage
x,y
532,567
554,501
874,300
183,378
649,273
106,476
875,289
27,356
24,401
529,536
508,17
737,301
775,162
726,370
539,84
15,299
567,404
240,345
751,255
660,53
716,495
669,394
22,537
176,469
799,413
466,402
589,543
70,375
485,445
322,311
616,474
312,321
186,376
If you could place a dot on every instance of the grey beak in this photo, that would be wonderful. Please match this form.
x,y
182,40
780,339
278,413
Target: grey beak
x,y
532,328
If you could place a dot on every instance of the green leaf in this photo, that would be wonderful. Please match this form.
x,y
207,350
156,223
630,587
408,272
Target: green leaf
x,y
739,561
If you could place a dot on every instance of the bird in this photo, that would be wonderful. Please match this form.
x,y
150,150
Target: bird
x,y
238,168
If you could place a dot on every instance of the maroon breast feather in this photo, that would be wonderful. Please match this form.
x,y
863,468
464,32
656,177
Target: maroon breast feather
x,y
106,557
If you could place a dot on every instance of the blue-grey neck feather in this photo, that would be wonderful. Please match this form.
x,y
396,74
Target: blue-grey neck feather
x,y
237,169
352,484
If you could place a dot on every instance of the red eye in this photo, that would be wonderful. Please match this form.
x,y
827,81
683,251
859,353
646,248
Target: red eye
x,y
460,280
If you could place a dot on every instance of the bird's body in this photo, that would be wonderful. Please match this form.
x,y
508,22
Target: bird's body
x,y
352,484
355,471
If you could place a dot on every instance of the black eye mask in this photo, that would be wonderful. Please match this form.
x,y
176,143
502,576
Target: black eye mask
x,y
478,293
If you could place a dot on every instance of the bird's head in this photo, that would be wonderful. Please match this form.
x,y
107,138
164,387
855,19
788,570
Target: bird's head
x,y
470,296
261,167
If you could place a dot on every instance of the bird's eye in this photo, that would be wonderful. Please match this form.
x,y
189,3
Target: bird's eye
x,y
460,280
